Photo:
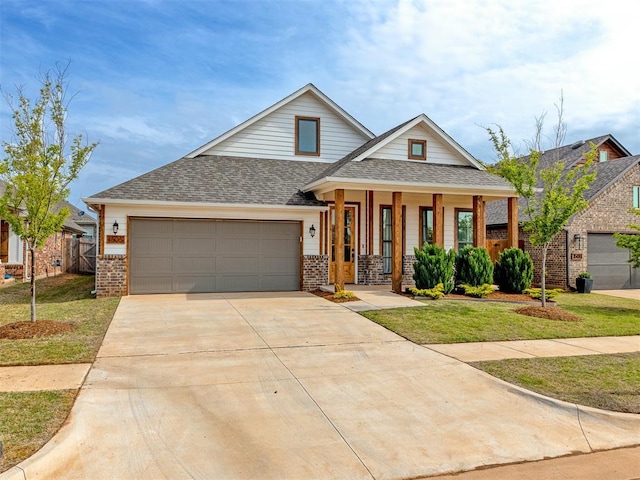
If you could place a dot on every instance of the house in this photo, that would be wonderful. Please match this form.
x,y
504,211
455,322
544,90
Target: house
x,y
256,208
587,242
14,258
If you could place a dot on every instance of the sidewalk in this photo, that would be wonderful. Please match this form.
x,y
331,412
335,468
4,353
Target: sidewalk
x,y
562,347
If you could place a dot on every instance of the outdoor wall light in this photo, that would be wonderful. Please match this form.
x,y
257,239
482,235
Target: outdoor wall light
x,y
115,227
312,231
577,241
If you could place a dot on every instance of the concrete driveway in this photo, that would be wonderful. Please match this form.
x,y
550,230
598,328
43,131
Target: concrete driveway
x,y
293,386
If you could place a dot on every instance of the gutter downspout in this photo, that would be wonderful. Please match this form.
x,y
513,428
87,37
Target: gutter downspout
x,y
568,257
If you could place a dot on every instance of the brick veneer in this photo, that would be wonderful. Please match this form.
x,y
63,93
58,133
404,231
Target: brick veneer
x,y
111,275
370,270
315,271
2,272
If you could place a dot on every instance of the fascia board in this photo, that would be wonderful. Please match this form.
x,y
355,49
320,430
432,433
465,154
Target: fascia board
x,y
91,201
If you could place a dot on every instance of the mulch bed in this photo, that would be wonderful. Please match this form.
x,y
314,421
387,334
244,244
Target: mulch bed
x,y
329,296
40,328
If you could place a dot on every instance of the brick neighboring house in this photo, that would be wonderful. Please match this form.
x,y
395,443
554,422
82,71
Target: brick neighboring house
x,y
587,243
14,258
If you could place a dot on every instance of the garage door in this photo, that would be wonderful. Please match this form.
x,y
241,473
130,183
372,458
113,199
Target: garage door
x,y
182,256
608,264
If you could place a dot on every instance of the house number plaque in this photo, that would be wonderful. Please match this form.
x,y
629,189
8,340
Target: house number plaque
x,y
576,256
119,239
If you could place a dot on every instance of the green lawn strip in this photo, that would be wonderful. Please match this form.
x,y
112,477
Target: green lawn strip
x,y
451,321
65,298
610,382
28,420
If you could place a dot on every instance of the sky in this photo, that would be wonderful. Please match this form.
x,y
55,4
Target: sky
x,y
152,80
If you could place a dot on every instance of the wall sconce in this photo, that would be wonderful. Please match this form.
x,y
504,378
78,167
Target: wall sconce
x,y
312,231
115,227
577,241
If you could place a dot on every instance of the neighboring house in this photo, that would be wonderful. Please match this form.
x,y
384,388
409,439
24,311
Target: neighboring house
x,y
587,242
255,209
14,258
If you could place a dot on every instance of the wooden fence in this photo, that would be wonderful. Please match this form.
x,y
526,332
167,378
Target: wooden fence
x,y
80,255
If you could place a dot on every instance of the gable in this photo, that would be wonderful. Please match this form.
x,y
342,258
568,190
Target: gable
x,y
437,150
273,136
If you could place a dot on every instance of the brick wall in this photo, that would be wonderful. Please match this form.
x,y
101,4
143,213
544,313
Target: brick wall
x,y
111,275
315,271
2,271
608,213
556,256
370,270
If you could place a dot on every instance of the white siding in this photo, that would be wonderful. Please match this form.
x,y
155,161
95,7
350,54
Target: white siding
x,y
120,213
437,150
273,136
15,247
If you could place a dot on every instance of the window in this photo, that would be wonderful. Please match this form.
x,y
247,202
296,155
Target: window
x,y
386,234
426,225
636,197
603,156
464,228
307,136
417,149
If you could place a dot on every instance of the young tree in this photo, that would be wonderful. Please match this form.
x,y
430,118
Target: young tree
x,y
632,242
551,194
39,165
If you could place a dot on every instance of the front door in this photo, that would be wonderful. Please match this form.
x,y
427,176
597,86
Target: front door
x,y
349,245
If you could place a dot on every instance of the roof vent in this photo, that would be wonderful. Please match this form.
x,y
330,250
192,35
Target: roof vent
x,y
577,144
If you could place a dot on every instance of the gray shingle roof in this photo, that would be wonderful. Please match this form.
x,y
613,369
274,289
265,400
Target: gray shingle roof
x,y
378,169
607,174
221,179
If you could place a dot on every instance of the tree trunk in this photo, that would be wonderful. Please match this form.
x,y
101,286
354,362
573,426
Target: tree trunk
x,y
32,253
543,290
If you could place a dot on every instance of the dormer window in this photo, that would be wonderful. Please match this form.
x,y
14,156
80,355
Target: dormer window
x,y
417,149
307,136
603,156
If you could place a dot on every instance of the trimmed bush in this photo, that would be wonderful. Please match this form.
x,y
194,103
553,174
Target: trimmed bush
x,y
435,293
536,293
514,271
340,294
433,265
474,267
481,291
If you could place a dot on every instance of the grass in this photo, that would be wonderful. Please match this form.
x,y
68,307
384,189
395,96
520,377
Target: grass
x,y
611,382
28,420
65,298
452,321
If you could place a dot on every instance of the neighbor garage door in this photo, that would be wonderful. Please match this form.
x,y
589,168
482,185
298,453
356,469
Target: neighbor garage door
x,y
180,256
608,264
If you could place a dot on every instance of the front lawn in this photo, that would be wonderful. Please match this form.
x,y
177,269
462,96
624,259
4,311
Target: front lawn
x,y
29,419
451,321
65,298
611,382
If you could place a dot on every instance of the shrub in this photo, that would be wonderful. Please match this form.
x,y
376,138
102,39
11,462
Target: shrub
x,y
474,267
433,265
343,294
436,292
514,271
536,293
584,275
481,291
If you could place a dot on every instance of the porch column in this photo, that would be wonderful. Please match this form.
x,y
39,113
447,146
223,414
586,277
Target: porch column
x,y
479,222
438,219
339,243
512,222
396,245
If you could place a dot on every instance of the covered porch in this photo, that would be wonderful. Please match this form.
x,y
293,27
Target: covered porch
x,y
376,230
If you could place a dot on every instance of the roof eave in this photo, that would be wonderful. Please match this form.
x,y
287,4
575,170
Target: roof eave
x,y
95,202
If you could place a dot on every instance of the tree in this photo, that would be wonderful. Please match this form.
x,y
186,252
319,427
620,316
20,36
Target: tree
x,y
632,242
552,194
39,165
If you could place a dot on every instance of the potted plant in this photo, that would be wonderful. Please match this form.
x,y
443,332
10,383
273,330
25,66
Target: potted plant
x,y
584,282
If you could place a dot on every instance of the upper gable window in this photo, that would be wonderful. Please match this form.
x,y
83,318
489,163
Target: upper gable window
x,y
417,149
603,156
307,136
